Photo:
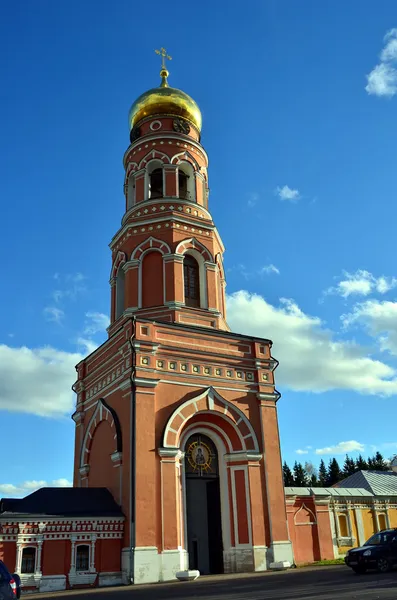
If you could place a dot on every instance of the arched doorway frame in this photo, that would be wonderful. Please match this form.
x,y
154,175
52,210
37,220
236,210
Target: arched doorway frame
x,y
205,429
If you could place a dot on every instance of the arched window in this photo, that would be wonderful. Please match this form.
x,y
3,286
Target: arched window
x,y
28,560
186,181
82,558
183,180
131,192
120,281
343,527
382,521
156,183
191,276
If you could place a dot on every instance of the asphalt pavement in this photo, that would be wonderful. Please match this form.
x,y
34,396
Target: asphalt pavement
x,y
313,583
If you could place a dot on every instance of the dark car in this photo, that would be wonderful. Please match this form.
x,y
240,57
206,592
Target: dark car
x,y
379,552
10,585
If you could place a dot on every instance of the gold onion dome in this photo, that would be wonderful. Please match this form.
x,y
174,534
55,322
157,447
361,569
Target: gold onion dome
x,y
164,100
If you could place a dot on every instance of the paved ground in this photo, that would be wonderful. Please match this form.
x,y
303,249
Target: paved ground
x,y
317,583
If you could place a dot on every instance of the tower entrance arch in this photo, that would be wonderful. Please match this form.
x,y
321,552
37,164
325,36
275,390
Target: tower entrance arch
x,y
203,505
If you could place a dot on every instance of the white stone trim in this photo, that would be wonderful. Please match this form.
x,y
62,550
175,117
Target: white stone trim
x,y
52,583
110,578
303,506
210,393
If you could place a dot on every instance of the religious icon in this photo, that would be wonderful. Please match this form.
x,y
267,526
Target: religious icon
x,y
200,458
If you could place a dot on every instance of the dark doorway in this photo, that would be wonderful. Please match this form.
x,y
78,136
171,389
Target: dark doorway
x,y
204,528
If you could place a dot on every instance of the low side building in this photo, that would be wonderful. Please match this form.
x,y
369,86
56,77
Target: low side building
x,y
324,523
59,538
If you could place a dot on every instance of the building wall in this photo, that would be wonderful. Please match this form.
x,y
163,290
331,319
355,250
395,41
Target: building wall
x,y
55,543
8,552
174,369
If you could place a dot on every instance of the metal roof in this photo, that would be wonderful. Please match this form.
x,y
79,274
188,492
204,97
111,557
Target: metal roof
x,y
318,491
379,483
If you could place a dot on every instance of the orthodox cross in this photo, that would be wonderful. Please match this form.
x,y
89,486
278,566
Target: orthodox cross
x,y
164,56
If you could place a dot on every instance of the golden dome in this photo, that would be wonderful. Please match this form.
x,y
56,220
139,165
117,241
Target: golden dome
x,y
164,100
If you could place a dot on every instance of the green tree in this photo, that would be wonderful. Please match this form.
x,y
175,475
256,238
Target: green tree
x,y
299,475
361,463
349,466
313,482
288,477
322,474
379,462
334,472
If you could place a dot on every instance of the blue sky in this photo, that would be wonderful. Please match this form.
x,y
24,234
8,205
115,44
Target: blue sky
x,y
299,116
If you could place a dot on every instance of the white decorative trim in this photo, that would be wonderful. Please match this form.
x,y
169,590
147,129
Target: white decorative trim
x,y
211,394
146,383
52,583
249,456
301,508
282,553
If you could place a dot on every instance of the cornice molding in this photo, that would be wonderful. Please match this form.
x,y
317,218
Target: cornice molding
x,y
146,383
164,136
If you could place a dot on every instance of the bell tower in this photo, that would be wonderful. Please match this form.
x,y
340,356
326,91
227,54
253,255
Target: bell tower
x,y
175,414
167,256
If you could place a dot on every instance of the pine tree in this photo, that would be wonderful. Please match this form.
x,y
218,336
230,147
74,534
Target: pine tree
x,y
314,480
288,477
361,464
299,475
334,472
349,466
322,474
379,462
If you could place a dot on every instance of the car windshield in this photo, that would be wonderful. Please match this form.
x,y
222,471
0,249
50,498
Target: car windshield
x,y
381,538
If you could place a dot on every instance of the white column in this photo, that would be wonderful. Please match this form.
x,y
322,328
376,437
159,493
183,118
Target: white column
x,y
387,515
92,554
73,556
360,526
38,557
19,558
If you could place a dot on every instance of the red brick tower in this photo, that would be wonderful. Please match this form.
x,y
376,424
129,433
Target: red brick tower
x,y
175,414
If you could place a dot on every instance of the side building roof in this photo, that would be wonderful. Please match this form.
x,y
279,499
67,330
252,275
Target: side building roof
x,y
379,483
319,491
62,502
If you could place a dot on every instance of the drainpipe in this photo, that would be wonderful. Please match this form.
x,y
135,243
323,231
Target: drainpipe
x,y
132,452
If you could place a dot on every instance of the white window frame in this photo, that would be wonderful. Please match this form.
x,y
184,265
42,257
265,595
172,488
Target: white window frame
x,y
89,545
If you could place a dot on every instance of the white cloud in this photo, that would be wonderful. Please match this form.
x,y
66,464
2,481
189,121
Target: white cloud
x,y
311,358
70,286
253,199
362,283
37,380
286,193
382,80
302,451
342,448
52,313
9,490
270,269
247,273
97,323
379,319
86,345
